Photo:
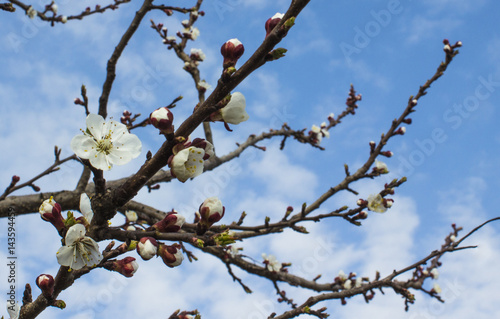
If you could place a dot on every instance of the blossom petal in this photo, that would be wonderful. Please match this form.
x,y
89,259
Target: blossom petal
x,y
75,233
95,124
83,146
86,207
100,161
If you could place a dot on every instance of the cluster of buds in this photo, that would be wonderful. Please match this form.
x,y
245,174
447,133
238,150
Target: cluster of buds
x,y
46,285
171,223
163,32
316,133
126,266
51,211
210,212
348,282
449,48
352,100
231,110
197,56
189,33
188,158
231,51
162,119
171,255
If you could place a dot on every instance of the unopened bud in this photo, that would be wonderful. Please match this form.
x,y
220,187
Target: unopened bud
x,y
147,247
171,255
46,285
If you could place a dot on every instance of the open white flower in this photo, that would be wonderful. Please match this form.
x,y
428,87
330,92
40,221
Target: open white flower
x,y
272,263
80,250
381,167
376,203
234,112
188,163
106,143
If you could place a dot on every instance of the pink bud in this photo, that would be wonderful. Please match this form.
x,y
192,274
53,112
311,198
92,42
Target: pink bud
x,y
271,23
211,211
147,247
232,50
162,119
46,284
127,266
172,223
171,255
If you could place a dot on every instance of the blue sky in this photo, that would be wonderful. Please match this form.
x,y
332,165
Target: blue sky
x,y
450,153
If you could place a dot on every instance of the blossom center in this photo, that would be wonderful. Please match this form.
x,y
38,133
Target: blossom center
x,y
105,145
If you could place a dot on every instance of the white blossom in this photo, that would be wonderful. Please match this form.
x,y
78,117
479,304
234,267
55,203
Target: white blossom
x,y
54,8
348,284
188,163
131,215
234,112
272,263
381,167
199,53
204,85
342,275
64,19
434,273
436,288
106,143
376,203
79,250
31,12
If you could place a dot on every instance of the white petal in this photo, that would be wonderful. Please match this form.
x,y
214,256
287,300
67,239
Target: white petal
x,y
100,161
83,146
129,143
95,125
65,255
234,112
86,207
75,233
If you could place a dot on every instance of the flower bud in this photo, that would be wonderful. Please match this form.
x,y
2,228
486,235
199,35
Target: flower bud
x,y
171,255
211,211
126,266
172,223
271,23
162,119
232,50
147,247
51,211
46,284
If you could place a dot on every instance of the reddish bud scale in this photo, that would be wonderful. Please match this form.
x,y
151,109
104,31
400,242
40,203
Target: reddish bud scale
x,y
46,285
162,119
171,255
271,24
172,223
127,266
232,50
